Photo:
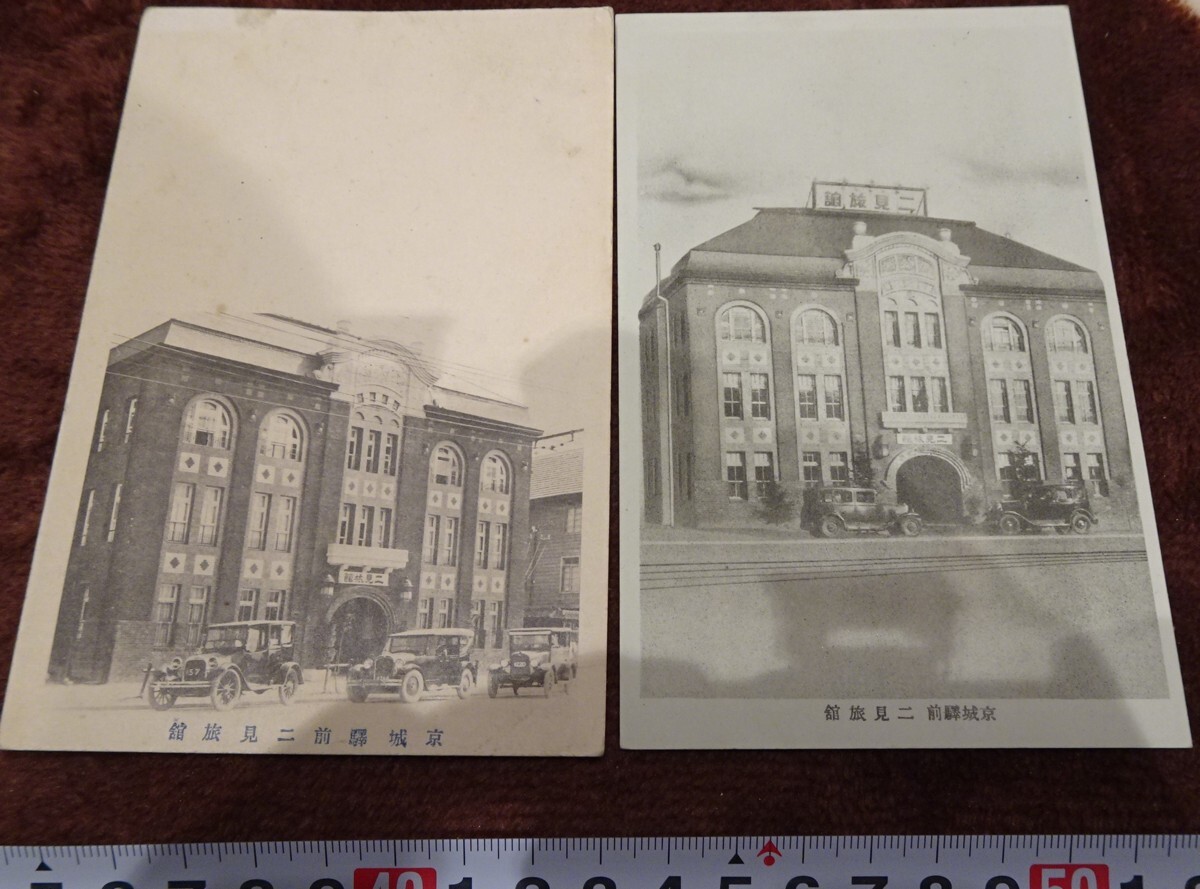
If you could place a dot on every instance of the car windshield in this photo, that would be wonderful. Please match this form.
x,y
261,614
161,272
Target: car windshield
x,y
529,641
227,639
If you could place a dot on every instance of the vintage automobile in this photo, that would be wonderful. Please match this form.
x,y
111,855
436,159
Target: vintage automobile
x,y
538,657
234,658
1038,506
833,510
416,660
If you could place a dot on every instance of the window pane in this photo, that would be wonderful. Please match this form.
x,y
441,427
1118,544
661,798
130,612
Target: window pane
x,y
764,471
1095,467
940,395
897,402
570,575
806,388
500,545
449,547
1022,402
210,515
742,324
1087,401
839,467
429,551
354,446
760,396
735,475
920,395
346,523
180,516
891,328
447,468
933,331
1064,404
483,536
812,468
285,521
912,330
374,445
732,396
999,399
1071,468
260,509
834,402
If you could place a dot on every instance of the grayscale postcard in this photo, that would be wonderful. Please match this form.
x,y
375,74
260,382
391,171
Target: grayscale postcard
x,y
882,483
323,484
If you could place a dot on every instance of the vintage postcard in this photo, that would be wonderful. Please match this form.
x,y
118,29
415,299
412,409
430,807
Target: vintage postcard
x,y
882,483
333,475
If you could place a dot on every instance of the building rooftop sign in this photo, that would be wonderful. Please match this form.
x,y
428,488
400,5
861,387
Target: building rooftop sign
x,y
869,198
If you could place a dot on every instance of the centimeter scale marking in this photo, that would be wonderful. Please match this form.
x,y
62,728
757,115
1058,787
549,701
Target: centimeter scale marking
x,y
833,862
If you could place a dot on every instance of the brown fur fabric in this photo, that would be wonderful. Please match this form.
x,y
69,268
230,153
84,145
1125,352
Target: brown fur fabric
x,y
63,69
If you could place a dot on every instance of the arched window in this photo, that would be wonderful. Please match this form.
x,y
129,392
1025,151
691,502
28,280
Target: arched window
x,y
282,438
494,476
742,324
1003,334
446,466
1066,335
815,327
208,424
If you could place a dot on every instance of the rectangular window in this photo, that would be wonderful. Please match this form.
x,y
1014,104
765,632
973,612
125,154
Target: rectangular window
x,y
912,330
114,513
811,461
933,330
1086,399
500,546
84,599
247,608
477,623
180,516
1022,402
374,447
366,522
449,546
87,517
164,613
102,433
735,475
891,328
835,408
1004,468
1072,470
732,395
285,522
354,446
999,394
760,396
385,527
260,510
839,468
483,542
574,519
210,515
346,523
196,612
920,395
129,417
939,395
764,472
806,392
425,614
391,448
1064,404
276,605
1095,467
570,575
897,401
443,617
496,623
433,530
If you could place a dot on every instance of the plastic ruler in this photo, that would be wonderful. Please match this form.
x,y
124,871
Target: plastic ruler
x,y
833,862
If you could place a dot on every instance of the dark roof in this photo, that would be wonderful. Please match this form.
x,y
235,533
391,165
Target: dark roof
x,y
830,233
556,473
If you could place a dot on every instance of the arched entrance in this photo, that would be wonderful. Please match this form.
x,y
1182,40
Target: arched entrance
x,y
931,486
358,625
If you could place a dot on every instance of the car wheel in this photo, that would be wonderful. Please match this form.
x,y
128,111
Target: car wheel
x,y
356,693
287,691
831,526
226,690
910,526
410,688
548,682
1010,524
493,686
464,684
1080,524
160,699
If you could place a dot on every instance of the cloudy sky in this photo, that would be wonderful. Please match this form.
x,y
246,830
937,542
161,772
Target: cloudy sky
x,y
442,179
724,113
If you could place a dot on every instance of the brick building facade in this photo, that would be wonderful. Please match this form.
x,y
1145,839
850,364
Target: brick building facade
x,y
556,517
265,468
861,338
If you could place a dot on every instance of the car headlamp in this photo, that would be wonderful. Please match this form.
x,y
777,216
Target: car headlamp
x,y
213,663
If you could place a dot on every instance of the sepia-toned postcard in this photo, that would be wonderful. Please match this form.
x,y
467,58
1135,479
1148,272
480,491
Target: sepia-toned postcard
x,y
333,474
882,483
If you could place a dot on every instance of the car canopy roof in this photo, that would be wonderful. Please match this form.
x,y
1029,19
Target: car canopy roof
x,y
444,631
